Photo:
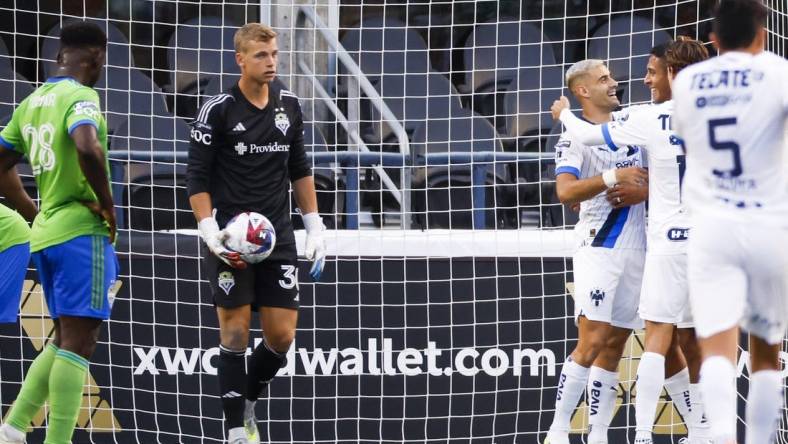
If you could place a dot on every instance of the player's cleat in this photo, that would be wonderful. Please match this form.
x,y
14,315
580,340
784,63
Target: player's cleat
x,y
644,441
237,435
9,435
250,424
556,438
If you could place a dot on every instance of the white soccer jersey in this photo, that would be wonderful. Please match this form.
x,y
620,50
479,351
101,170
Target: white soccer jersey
x,y
731,113
650,128
600,225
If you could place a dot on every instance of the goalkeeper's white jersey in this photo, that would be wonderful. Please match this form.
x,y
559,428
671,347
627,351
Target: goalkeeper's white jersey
x,y
600,225
650,127
731,112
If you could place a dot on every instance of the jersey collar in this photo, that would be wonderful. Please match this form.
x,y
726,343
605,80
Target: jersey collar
x,y
56,79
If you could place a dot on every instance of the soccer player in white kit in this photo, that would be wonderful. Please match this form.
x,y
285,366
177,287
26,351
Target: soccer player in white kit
x,y
608,263
731,113
664,301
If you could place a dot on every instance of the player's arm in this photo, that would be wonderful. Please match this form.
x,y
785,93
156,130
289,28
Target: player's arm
x,y
614,134
10,184
571,189
93,164
300,173
199,168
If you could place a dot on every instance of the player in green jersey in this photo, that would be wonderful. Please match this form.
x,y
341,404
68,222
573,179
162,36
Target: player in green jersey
x,y
14,244
61,131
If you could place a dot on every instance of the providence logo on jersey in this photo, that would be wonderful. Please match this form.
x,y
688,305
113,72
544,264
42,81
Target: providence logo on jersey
x,y
242,148
281,121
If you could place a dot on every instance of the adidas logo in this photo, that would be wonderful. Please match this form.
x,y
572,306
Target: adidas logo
x,y
232,395
239,127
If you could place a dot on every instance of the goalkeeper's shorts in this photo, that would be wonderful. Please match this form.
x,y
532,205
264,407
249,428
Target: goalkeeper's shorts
x,y
13,266
270,283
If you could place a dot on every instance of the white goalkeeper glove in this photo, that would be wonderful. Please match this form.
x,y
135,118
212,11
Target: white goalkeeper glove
x,y
315,249
214,238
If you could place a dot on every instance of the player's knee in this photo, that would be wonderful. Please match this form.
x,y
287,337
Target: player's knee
x,y
235,337
280,340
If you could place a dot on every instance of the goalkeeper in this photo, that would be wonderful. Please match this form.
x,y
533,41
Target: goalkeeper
x,y
247,146
61,130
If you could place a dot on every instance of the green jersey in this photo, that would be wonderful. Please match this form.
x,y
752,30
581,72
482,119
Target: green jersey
x,y
13,228
41,129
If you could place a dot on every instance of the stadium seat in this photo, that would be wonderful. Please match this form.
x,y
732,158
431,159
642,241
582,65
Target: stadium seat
x,y
442,196
405,50
492,55
198,49
125,92
412,98
220,83
626,41
13,89
143,133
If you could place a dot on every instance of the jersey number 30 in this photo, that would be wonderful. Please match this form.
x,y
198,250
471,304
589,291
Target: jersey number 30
x,y
725,145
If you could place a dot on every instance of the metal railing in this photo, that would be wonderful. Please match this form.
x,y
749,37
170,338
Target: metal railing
x,y
350,162
307,13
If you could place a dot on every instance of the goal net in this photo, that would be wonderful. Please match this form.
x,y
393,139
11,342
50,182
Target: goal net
x,y
445,312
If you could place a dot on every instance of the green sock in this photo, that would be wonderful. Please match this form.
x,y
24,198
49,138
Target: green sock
x,y
66,382
35,390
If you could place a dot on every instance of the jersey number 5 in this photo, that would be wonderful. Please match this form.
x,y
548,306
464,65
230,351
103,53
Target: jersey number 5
x,y
725,145
41,156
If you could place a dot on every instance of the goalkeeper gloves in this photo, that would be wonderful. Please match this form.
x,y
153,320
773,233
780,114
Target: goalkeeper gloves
x,y
315,250
214,238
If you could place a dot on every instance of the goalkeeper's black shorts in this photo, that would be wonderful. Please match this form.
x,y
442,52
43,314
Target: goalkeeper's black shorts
x,y
270,283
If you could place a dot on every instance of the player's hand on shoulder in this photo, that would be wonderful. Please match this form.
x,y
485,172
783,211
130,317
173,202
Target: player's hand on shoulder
x,y
632,176
626,194
559,105
214,238
315,248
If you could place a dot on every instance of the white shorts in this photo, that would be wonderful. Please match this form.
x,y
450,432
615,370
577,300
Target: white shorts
x,y
665,295
737,276
607,285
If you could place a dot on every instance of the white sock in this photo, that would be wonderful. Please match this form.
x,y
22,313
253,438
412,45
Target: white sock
x,y
764,405
651,378
571,384
718,385
12,433
678,387
235,433
602,391
698,426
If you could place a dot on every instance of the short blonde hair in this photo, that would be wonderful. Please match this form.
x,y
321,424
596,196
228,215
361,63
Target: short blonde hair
x,y
580,69
252,31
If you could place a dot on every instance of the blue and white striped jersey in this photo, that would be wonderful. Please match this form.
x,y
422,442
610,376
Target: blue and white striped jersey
x,y
600,225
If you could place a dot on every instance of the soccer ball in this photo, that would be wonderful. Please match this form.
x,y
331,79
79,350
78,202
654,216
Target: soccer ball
x,y
252,235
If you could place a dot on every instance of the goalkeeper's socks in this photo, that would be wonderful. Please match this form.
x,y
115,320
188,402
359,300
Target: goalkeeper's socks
x,y
764,406
35,390
571,385
602,392
650,380
718,383
66,381
263,365
232,385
